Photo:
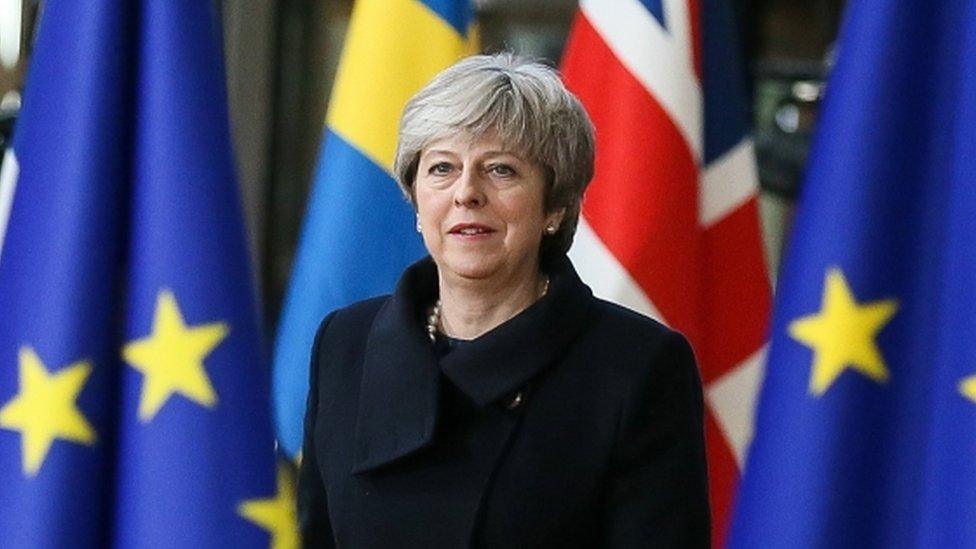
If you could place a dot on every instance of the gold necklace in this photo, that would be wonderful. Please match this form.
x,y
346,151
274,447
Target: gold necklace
x,y
434,313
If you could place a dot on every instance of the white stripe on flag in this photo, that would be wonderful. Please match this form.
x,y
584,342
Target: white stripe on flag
x,y
599,268
8,181
732,400
678,23
655,57
727,183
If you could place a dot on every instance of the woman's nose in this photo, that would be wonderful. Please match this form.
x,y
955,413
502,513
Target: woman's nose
x,y
468,190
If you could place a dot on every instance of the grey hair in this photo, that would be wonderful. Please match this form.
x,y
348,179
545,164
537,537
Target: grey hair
x,y
526,106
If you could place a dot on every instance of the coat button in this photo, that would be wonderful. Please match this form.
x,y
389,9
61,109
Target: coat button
x,y
517,399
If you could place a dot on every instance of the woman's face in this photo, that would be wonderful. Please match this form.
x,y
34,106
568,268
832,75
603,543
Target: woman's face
x,y
481,208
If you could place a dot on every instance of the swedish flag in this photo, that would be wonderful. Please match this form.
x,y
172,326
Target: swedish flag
x,y
866,430
359,232
134,404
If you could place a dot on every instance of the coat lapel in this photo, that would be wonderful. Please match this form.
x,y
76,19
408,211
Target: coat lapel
x,y
398,399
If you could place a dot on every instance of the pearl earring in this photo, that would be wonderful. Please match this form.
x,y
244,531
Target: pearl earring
x,y
551,230
419,228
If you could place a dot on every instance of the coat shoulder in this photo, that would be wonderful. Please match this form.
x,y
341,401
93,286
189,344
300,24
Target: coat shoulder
x,y
635,348
628,327
341,341
349,321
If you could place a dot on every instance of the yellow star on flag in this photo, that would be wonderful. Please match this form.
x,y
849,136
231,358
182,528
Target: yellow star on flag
x,y
171,358
968,387
45,408
276,515
842,335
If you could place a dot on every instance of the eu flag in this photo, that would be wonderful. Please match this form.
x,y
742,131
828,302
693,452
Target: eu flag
x,y
866,430
359,234
134,396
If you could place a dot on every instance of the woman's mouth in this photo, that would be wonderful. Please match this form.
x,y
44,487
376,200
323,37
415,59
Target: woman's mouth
x,y
471,230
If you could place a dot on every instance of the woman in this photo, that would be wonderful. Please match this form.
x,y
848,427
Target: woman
x,y
492,401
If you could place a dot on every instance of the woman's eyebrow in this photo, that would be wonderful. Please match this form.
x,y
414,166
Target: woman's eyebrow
x,y
437,151
494,154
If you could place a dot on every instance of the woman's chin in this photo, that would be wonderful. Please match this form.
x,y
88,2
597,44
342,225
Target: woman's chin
x,y
475,268
470,272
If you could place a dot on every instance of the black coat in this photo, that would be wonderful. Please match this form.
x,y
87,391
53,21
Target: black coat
x,y
577,423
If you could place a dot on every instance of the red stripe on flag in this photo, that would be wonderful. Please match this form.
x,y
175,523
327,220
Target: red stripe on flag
x,y
737,287
643,201
694,18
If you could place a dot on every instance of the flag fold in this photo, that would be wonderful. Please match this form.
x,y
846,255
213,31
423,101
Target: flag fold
x,y
134,391
670,224
865,433
358,234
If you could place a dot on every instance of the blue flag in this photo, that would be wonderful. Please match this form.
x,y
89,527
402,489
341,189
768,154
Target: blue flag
x,y
359,230
866,430
134,393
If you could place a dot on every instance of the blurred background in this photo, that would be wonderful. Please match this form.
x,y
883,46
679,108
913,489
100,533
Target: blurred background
x,y
281,58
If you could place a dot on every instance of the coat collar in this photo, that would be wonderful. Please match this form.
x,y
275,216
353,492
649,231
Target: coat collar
x,y
399,395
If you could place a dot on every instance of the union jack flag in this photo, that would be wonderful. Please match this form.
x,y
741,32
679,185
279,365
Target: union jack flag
x,y
670,224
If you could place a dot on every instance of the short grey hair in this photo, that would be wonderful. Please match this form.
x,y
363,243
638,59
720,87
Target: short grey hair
x,y
522,102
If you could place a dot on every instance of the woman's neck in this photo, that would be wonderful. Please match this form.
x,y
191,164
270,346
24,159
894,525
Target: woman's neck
x,y
470,308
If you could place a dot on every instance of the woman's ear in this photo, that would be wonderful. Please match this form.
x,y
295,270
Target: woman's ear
x,y
555,218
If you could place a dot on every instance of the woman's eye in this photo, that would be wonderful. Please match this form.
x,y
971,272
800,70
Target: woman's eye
x,y
441,168
502,170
